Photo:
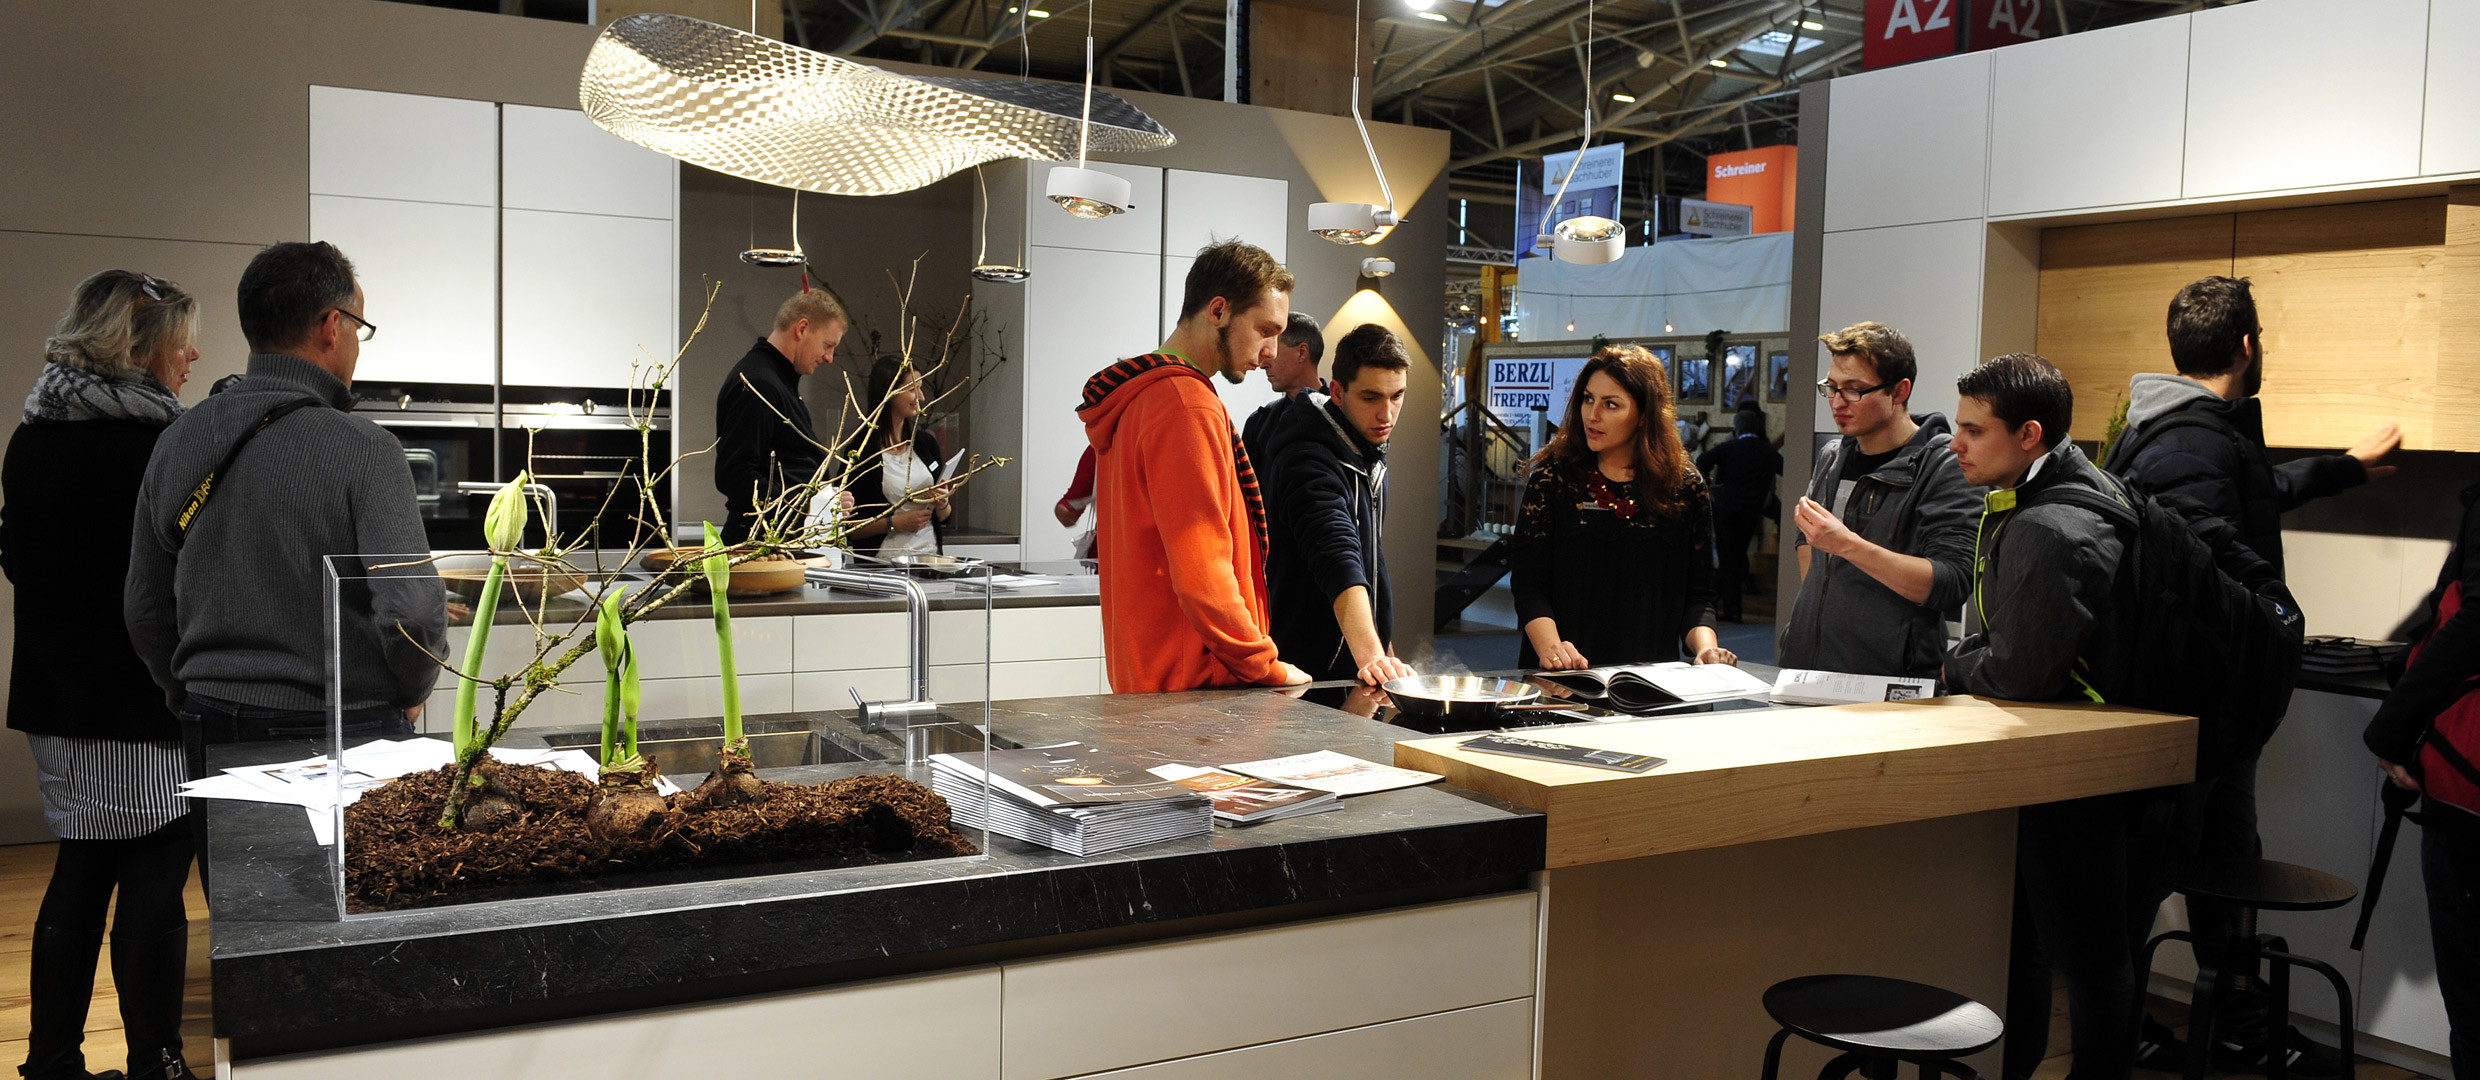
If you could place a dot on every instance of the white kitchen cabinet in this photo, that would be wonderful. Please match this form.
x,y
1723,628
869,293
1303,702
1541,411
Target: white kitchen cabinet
x,y
2257,120
1909,144
1283,983
586,298
849,642
1925,279
1489,1042
1068,338
2061,139
378,145
935,1027
426,270
1201,208
2451,132
684,699
556,159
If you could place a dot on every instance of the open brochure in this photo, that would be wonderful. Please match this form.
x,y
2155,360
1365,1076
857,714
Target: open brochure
x,y
1246,800
1800,686
1327,770
1652,686
1066,775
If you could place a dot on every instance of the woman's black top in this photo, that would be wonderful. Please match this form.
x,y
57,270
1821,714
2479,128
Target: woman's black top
x,y
71,493
1623,589
867,482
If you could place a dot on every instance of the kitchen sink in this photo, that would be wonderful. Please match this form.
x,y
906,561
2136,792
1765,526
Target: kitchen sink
x,y
687,746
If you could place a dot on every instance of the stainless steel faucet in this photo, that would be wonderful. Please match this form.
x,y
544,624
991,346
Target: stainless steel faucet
x,y
551,502
876,716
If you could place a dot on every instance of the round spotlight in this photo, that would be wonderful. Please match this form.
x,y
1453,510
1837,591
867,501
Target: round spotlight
x,y
1009,275
1377,267
1088,193
1588,240
1349,222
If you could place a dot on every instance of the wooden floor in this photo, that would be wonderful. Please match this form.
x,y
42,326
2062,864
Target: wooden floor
x,y
2174,1013
24,870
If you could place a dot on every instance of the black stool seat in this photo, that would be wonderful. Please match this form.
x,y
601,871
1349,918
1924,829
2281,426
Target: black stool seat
x,y
2267,885
1878,1016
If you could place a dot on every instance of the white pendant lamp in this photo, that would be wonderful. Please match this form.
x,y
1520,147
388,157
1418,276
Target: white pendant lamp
x,y
1083,192
1586,239
1357,223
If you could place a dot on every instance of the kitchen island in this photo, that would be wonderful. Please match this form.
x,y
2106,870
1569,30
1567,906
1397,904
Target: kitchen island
x,y
1427,932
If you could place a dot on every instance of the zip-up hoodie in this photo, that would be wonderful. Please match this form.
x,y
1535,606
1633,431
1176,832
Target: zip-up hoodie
x,y
1917,503
2222,464
1179,532
1326,496
2042,577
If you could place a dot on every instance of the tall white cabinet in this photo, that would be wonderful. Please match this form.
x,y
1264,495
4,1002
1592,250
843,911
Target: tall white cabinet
x,y
497,243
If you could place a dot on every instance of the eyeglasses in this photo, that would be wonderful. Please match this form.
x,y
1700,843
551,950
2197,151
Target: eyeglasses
x,y
369,329
1849,394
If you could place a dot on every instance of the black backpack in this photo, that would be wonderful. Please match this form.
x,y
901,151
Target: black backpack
x,y
2199,625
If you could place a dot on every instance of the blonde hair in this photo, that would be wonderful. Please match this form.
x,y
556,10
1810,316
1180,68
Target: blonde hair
x,y
117,319
816,305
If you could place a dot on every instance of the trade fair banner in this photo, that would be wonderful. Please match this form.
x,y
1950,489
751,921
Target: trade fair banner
x,y
1595,190
1901,31
1700,218
1517,386
1765,180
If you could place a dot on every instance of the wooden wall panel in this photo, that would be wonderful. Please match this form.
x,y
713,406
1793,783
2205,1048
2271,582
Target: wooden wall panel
x,y
2350,298
2105,294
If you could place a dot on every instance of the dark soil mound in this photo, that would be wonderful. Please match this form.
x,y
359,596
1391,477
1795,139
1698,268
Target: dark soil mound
x,y
397,856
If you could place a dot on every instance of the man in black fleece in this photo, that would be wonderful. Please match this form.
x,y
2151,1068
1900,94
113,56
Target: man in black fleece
x,y
1740,473
231,617
1326,579
2201,434
2041,591
764,440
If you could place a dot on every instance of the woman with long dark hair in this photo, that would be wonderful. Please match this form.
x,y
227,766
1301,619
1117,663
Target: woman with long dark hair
x,y
1614,555
107,749
898,467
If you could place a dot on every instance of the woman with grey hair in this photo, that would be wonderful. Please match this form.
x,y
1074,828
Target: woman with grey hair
x,y
107,749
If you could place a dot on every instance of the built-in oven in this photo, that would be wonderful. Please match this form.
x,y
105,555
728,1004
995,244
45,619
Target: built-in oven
x,y
451,437
462,442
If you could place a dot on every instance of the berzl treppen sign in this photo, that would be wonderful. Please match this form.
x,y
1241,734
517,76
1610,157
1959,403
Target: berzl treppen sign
x,y
1901,31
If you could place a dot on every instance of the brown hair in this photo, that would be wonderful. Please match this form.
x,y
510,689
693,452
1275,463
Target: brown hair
x,y
1661,464
1238,272
816,305
1369,345
1888,352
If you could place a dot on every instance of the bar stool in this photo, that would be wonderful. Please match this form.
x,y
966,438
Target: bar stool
x,y
1879,1024
2253,885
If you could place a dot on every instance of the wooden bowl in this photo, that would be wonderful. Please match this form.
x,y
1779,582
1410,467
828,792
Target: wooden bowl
x,y
527,583
757,577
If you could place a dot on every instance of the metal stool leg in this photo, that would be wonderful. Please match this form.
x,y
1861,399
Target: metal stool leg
x,y
1773,1053
2342,998
1843,1065
2150,947
2278,1014
2200,1018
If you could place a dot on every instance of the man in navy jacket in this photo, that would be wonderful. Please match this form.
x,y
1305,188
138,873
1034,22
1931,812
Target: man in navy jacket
x,y
1326,580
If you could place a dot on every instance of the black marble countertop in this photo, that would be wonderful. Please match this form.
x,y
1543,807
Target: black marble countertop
x,y
289,977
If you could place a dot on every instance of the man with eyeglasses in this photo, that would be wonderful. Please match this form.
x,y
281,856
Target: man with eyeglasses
x,y
1886,526
246,497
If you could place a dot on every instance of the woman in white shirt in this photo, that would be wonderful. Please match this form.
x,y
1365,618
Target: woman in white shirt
x,y
899,467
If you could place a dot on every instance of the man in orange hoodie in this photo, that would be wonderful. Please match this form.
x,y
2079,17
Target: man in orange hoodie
x,y
1180,528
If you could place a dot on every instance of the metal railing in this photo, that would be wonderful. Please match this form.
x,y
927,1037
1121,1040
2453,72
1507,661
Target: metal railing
x,y
1484,474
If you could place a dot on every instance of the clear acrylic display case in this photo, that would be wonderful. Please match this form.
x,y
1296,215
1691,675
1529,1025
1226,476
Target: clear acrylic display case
x,y
850,683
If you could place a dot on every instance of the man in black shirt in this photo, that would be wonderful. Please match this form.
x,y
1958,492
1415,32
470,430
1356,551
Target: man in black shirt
x,y
1294,370
1740,473
764,442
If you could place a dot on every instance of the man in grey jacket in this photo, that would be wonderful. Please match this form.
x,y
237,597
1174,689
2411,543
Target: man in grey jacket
x,y
226,601
2041,598
1886,526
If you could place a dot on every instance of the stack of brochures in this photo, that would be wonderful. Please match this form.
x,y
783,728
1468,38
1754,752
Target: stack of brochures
x,y
1326,770
1070,797
1246,800
2349,656
1800,686
1643,687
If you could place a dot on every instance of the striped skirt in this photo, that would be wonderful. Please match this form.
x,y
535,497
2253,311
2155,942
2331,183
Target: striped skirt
x,y
104,789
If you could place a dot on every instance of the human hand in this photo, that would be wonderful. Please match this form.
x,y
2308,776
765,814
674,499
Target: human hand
x,y
1290,675
1562,657
1066,514
1382,668
2401,776
1363,701
910,519
1716,654
458,613
413,714
844,500
1825,532
2374,448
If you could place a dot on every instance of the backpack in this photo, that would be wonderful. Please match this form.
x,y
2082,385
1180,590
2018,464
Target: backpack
x,y
2199,625
2447,773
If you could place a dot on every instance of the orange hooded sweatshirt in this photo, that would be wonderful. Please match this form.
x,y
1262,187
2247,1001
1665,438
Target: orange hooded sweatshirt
x,y
1179,532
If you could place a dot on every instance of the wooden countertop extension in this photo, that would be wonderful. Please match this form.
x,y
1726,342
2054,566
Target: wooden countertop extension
x,y
1743,777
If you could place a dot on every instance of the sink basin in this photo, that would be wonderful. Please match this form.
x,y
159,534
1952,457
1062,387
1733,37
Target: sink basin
x,y
687,746
929,738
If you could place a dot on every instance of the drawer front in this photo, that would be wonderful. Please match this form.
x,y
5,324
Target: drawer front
x,y
685,648
873,639
937,1028
1490,1042
1300,980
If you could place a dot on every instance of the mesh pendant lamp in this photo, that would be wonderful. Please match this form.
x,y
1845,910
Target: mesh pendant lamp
x,y
753,107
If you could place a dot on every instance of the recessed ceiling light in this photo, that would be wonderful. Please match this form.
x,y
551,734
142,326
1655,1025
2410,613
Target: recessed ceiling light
x,y
1039,13
1431,16
1627,98
1807,25
1719,62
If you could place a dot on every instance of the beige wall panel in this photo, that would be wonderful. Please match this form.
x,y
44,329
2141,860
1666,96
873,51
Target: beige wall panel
x,y
2350,298
2105,296
2360,586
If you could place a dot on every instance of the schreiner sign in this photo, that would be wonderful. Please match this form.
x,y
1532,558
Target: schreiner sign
x,y
1901,31
1700,218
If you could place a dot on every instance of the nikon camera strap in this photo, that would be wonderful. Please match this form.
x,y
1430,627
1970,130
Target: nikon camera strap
x,y
205,490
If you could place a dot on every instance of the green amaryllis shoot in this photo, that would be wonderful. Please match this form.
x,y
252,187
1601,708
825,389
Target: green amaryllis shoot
x,y
503,528
620,686
718,569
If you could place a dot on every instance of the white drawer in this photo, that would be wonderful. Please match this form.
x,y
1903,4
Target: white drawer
x,y
851,642
1490,1042
1302,979
684,648
675,699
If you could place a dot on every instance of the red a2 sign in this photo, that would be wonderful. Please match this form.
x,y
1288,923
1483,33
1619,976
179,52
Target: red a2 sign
x,y
1901,31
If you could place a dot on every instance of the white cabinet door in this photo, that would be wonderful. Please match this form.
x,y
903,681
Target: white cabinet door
x,y
2059,138
2451,133
1909,144
1492,1042
1201,208
426,270
585,297
2256,123
556,159
1085,310
403,146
